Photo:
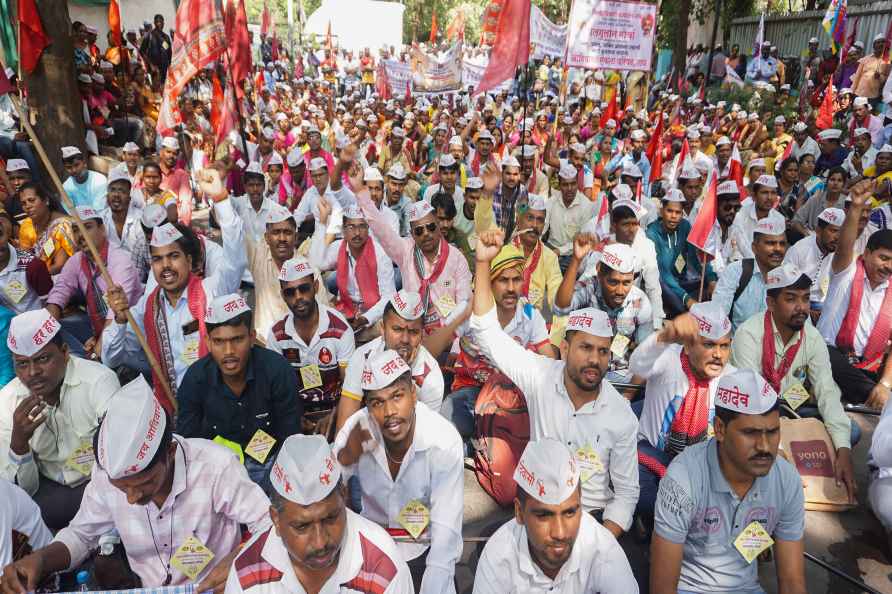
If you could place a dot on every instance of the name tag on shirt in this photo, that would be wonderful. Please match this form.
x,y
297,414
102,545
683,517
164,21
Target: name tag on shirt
x,y
796,395
49,247
414,517
446,305
190,348
752,541
15,290
619,345
311,376
679,263
260,445
81,459
589,463
191,558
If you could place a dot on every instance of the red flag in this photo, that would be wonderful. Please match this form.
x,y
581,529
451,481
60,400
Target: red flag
x,y
850,40
611,112
408,97
328,43
239,49
6,86
32,39
826,111
265,20
433,37
223,110
679,163
888,41
382,85
114,24
216,101
702,234
656,167
511,47
787,152
735,170
656,140
456,29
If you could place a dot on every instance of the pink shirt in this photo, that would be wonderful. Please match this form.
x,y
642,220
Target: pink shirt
x,y
452,290
211,495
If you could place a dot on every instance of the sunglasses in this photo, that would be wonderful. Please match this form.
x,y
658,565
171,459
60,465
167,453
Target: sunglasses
x,y
303,289
419,230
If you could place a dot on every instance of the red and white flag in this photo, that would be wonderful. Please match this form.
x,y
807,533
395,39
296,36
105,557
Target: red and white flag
x,y
735,170
511,47
683,157
705,235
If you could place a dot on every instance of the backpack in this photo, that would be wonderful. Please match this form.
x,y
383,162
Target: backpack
x,y
502,430
747,266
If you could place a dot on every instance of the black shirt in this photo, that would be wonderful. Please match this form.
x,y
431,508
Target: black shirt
x,y
208,407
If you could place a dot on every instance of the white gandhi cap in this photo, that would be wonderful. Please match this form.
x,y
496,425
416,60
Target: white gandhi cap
x,y
712,321
306,470
382,369
132,430
164,235
31,331
591,321
746,392
782,276
547,471
773,224
224,308
619,257
408,304
295,269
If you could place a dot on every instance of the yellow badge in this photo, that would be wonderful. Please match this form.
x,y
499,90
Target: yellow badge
x,y
825,284
589,463
679,263
796,395
752,541
190,349
15,290
49,247
236,448
414,517
81,459
619,345
445,305
260,445
710,431
191,558
311,376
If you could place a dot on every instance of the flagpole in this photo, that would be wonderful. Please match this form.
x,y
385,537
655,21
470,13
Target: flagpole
x,y
140,337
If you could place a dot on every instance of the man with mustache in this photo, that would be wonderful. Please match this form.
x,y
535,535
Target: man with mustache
x,y
814,253
740,289
48,411
541,271
402,331
764,196
316,544
240,395
611,290
122,222
791,355
567,399
725,501
681,364
857,316
316,340
409,461
161,493
80,277
551,545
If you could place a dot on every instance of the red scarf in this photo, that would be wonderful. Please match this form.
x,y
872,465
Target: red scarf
x,y
530,266
439,265
475,163
691,421
774,375
366,271
879,336
95,310
158,338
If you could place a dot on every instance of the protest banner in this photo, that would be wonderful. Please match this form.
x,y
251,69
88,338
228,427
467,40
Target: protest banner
x,y
546,38
435,73
398,74
472,72
611,34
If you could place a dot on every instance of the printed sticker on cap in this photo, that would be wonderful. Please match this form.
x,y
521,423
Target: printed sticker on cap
x,y
191,558
752,541
414,517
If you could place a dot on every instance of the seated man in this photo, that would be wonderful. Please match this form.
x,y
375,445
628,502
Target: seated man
x,y
21,526
740,290
24,278
541,271
240,395
48,415
764,196
83,186
176,503
810,255
80,278
855,321
402,330
568,399
409,462
316,340
724,502
681,365
309,497
122,223
790,354
612,291
551,544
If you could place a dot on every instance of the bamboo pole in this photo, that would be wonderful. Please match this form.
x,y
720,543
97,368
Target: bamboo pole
x,y
140,337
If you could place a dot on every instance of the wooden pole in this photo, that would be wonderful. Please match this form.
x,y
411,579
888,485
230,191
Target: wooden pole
x,y
156,368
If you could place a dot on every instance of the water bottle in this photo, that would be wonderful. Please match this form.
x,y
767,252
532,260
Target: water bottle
x,y
83,577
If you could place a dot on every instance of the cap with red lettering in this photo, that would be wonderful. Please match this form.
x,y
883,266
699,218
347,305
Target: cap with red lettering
x,y
712,320
31,331
131,431
295,269
418,210
746,392
224,308
591,321
619,257
407,304
832,216
782,276
382,369
306,471
547,471
164,235
773,224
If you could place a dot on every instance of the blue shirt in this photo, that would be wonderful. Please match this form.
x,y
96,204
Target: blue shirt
x,y
90,193
619,159
669,248
6,369
750,302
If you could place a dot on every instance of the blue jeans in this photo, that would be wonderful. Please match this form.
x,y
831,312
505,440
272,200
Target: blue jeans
x,y
458,408
259,473
648,482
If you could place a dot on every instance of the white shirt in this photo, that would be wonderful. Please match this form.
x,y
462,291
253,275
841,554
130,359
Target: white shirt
x,y
596,564
867,160
309,202
118,340
458,194
83,399
809,147
367,553
425,372
607,425
837,303
649,274
324,258
255,220
660,364
564,222
19,512
815,264
741,232
432,472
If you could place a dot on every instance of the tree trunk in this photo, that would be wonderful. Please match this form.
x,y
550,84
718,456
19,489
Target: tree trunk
x,y
52,88
680,51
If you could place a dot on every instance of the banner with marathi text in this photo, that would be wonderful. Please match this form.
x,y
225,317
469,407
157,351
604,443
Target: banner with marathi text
x,y
546,38
436,73
472,72
399,74
611,34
